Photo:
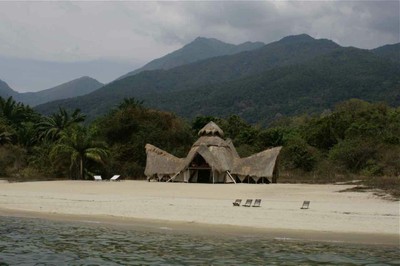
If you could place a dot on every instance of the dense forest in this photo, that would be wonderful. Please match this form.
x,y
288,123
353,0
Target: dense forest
x,y
289,77
356,140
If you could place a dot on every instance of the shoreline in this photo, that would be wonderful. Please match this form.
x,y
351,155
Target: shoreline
x,y
214,230
334,215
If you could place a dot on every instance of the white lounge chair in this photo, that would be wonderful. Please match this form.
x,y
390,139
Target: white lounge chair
x,y
237,202
248,203
97,178
306,204
257,203
114,178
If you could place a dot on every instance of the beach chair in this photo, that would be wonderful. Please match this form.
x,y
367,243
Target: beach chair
x,y
97,178
306,204
114,178
237,202
248,203
257,203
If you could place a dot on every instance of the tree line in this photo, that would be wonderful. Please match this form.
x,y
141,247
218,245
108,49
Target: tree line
x,y
355,140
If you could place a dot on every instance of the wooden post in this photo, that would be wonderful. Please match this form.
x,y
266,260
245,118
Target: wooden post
x,y
229,174
172,178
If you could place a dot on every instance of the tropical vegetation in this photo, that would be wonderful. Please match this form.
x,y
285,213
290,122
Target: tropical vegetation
x,y
356,140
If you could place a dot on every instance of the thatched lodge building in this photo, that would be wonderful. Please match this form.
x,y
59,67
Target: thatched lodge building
x,y
212,160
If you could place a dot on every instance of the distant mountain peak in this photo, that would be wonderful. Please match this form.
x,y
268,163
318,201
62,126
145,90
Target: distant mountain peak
x,y
199,49
206,39
73,88
6,91
83,78
200,39
297,38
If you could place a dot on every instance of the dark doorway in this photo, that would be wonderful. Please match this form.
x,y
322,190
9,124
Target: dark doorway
x,y
200,167
204,176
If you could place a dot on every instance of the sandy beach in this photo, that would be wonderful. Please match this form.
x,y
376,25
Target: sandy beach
x,y
333,215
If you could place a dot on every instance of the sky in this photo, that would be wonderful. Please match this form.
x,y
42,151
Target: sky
x,y
121,36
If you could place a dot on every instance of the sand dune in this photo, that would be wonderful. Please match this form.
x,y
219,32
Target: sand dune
x,y
330,210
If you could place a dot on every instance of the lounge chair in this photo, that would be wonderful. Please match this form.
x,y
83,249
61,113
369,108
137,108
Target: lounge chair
x,y
257,203
114,178
97,178
306,204
248,203
237,202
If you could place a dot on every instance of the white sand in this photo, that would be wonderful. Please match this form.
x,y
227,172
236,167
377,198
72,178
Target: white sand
x,y
330,211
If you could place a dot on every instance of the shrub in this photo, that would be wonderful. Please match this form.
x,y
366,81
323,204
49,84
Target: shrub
x,y
353,154
298,154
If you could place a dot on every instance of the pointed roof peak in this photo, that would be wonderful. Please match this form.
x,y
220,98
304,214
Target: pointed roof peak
x,y
211,129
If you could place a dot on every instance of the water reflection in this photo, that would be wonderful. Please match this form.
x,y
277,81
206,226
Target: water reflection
x,y
29,241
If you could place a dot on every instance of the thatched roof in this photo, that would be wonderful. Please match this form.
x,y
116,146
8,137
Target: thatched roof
x,y
219,154
211,129
232,148
211,141
219,158
161,162
258,165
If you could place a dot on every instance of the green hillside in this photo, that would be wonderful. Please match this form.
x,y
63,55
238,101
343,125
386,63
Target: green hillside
x,y
73,88
200,49
294,75
6,91
390,52
288,51
291,90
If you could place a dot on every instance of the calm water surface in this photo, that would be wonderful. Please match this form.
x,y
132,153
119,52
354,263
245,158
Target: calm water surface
x,y
25,241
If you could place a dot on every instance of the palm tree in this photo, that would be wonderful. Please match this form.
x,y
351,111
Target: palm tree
x,y
6,132
8,107
5,137
15,113
51,126
130,102
81,146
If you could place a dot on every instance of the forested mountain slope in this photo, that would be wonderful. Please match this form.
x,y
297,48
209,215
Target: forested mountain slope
x,y
200,49
291,90
6,91
294,75
288,51
73,88
390,52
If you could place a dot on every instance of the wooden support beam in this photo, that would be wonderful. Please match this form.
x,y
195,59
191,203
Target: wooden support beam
x,y
172,178
229,174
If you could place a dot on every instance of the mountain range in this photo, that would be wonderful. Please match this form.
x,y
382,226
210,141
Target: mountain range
x,y
25,74
259,82
73,88
199,49
293,75
390,52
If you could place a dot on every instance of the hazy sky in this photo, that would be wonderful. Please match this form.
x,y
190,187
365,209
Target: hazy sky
x,y
137,32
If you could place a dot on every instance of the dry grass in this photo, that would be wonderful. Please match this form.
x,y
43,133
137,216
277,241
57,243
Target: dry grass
x,y
388,184
382,185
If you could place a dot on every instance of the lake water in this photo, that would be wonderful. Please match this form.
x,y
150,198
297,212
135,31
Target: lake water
x,y
27,241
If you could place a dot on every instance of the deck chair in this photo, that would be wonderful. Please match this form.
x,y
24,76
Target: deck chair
x,y
114,178
97,178
257,203
306,204
237,202
248,203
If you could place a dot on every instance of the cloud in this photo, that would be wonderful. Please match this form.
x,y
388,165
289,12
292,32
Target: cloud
x,y
141,31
